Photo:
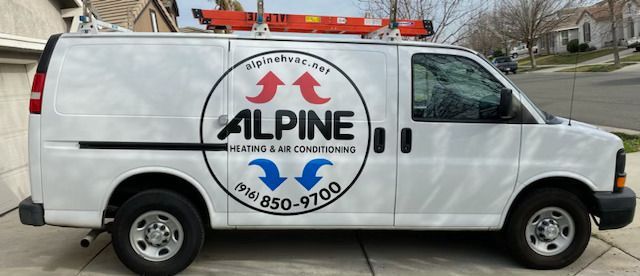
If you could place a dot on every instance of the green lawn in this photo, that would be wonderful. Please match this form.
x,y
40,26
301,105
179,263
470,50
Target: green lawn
x,y
631,58
566,58
631,142
596,68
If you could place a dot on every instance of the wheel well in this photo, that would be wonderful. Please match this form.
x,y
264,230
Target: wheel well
x,y
576,187
146,181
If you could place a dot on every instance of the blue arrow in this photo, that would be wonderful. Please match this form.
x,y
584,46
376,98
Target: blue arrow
x,y
271,176
309,179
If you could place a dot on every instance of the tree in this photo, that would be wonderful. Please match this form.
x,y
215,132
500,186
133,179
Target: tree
x,y
527,20
482,37
229,5
615,13
450,17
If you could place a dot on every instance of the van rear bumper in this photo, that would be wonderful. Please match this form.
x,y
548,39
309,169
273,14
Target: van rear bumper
x,y
615,210
31,213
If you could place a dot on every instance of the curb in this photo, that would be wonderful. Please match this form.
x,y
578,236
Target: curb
x,y
621,130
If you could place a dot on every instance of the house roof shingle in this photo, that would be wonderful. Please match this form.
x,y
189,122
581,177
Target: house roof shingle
x,y
571,17
124,12
600,10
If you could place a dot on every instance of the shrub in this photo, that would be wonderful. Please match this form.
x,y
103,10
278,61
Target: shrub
x,y
573,46
583,47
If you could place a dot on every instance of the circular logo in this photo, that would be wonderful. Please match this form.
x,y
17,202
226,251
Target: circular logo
x,y
298,133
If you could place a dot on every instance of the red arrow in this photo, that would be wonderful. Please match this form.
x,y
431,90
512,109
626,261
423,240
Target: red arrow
x,y
270,83
307,84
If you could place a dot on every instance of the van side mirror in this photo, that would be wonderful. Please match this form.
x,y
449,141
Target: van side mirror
x,y
505,109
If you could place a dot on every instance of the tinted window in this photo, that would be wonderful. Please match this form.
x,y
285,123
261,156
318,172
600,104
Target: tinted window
x,y
503,59
453,88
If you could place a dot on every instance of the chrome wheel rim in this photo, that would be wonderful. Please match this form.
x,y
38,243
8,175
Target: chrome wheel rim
x,y
156,236
550,231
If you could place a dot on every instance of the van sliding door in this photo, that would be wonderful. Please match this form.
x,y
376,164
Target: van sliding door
x,y
311,134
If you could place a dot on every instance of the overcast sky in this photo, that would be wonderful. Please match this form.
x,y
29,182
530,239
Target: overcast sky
x,y
314,7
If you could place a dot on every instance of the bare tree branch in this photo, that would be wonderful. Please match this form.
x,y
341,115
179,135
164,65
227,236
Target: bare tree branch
x,y
450,17
530,19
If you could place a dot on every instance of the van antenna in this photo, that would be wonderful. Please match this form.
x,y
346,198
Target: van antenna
x,y
573,88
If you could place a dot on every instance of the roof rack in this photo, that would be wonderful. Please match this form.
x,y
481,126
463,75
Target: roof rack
x,y
261,23
90,25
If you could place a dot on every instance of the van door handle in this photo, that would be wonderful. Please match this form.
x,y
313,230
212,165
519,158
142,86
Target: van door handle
x,y
405,140
378,140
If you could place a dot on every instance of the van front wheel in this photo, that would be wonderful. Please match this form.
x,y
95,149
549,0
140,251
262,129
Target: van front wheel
x,y
549,229
157,232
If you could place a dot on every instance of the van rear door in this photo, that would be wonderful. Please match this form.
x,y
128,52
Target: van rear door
x,y
303,148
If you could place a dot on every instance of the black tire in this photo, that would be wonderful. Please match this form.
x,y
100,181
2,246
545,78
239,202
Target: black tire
x,y
514,56
521,214
515,72
165,201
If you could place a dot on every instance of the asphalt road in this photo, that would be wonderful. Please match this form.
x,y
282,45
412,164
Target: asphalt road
x,y
606,99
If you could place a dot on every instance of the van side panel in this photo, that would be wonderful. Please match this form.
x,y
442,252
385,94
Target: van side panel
x,y
35,172
139,90
373,71
595,168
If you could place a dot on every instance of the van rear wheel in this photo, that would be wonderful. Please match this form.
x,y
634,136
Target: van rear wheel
x,y
549,229
157,232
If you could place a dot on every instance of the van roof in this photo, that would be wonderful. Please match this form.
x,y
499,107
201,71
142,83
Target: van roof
x,y
274,38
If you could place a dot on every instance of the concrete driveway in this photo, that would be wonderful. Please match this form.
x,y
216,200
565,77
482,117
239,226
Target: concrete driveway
x,y
55,251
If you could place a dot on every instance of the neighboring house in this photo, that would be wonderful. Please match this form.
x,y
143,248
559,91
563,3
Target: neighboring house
x,y
25,27
138,15
592,25
556,41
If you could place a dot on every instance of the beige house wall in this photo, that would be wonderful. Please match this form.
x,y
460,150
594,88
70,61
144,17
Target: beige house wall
x,y
31,18
15,84
143,22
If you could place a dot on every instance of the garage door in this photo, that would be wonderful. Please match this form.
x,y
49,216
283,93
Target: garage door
x,y
14,100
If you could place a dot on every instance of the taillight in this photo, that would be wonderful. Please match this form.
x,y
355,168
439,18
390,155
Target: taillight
x,y
620,176
35,104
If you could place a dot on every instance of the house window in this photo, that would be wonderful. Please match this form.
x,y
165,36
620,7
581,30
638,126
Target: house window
x,y
565,37
586,29
632,30
154,22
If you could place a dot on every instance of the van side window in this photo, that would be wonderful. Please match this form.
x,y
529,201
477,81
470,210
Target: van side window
x,y
453,88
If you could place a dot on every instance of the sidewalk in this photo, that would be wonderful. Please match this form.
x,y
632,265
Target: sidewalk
x,y
608,58
601,60
51,250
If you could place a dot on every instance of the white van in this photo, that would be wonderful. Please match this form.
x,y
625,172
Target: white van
x,y
155,137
